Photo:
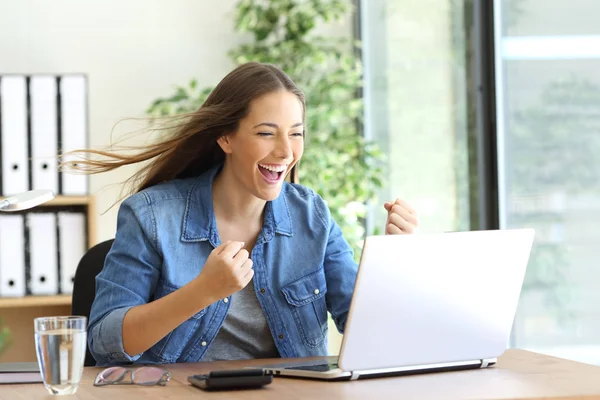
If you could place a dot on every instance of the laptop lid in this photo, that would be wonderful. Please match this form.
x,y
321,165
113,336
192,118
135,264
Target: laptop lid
x,y
434,298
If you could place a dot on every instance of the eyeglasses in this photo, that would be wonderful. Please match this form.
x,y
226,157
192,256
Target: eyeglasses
x,y
146,376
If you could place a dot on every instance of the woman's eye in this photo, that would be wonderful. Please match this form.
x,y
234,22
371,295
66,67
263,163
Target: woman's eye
x,y
298,134
265,133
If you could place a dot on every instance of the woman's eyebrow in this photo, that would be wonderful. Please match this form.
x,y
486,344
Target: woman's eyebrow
x,y
273,125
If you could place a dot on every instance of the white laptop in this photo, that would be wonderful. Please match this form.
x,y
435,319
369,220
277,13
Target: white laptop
x,y
428,303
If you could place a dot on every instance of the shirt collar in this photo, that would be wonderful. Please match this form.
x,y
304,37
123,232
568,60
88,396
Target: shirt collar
x,y
199,223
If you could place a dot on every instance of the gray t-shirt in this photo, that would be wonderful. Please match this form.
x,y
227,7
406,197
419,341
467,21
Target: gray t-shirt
x,y
244,333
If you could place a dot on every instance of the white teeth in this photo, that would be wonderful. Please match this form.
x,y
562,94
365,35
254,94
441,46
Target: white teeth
x,y
279,168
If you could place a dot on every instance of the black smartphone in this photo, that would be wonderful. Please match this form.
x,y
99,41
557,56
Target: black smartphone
x,y
232,379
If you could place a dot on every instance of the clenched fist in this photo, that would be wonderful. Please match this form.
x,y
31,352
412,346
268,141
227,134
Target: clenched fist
x,y
401,219
227,269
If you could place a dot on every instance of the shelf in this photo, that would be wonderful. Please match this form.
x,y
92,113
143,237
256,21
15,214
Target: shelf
x,y
66,201
35,301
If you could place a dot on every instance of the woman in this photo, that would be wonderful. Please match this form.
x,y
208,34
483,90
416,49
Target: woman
x,y
215,256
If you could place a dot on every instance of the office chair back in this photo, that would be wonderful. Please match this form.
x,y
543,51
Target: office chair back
x,y
84,285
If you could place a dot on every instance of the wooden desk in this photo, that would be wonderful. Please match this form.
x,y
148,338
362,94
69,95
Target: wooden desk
x,y
518,375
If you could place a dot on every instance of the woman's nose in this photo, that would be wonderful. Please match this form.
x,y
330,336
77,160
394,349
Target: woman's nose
x,y
284,148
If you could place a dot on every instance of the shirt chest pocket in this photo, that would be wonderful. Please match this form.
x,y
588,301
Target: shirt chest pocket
x,y
306,299
170,347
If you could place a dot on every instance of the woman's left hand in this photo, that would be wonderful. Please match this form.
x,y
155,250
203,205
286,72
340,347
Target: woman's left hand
x,y
401,219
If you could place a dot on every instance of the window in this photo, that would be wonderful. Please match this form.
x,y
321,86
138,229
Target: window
x,y
419,107
416,107
548,116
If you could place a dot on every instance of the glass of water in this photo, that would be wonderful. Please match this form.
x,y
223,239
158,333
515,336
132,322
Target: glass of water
x,y
60,343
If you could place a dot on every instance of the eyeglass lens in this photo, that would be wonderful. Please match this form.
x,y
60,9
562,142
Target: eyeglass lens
x,y
147,375
139,376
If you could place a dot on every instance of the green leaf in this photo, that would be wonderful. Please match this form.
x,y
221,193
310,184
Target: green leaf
x,y
337,163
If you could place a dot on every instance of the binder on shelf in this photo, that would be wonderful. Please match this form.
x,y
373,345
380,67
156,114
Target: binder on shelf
x,y
73,132
44,125
12,256
72,245
14,134
43,255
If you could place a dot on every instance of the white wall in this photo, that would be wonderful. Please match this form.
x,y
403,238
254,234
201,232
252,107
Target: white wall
x,y
133,51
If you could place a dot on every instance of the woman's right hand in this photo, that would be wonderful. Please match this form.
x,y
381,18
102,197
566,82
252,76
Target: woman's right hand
x,y
227,270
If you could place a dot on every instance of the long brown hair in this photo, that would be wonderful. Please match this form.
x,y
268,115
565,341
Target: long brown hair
x,y
192,147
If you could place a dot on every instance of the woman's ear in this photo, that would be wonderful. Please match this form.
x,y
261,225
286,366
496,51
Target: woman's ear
x,y
225,143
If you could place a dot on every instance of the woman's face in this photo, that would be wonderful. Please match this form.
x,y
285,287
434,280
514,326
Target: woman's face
x,y
268,143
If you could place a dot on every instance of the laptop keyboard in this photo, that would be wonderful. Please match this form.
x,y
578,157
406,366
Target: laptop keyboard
x,y
316,368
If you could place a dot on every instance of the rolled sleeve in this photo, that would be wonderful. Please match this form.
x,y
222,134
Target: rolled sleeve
x,y
106,339
128,279
340,270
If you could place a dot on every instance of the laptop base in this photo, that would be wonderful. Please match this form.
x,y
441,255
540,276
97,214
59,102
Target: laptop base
x,y
331,371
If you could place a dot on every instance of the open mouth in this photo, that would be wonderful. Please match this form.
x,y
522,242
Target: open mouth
x,y
271,173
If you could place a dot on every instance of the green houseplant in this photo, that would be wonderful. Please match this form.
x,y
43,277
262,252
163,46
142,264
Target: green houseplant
x,y
338,163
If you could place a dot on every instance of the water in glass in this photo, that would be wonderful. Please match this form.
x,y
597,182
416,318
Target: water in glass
x,y
60,345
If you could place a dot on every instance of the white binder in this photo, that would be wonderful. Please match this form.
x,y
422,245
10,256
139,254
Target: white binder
x,y
12,256
13,108
72,246
44,125
74,128
42,253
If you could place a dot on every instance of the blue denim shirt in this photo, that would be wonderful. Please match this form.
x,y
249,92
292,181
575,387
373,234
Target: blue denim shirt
x,y
303,267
